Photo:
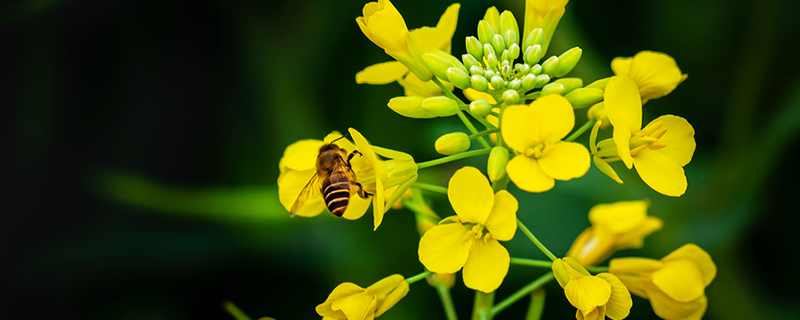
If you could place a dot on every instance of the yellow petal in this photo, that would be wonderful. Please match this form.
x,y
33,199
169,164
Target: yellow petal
x,y
618,217
598,313
587,292
393,297
520,127
473,95
643,266
624,109
528,175
620,303
378,204
566,161
690,251
290,184
502,221
604,167
381,73
341,291
470,195
357,306
486,266
621,65
449,20
443,248
680,280
679,139
660,173
655,73
635,237
667,308
567,269
301,155
414,87
557,118
430,39
386,26
356,208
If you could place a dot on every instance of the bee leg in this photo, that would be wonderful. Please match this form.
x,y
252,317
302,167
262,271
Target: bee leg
x,y
361,192
352,154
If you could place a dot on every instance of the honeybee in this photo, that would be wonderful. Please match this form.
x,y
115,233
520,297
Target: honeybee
x,y
333,180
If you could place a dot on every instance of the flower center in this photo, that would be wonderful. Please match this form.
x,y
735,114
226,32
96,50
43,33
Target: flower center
x,y
477,232
539,150
648,138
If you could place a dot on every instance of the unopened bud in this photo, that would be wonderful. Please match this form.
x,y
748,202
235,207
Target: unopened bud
x,y
505,70
511,96
542,80
504,57
479,83
513,51
498,43
450,58
567,61
452,143
536,69
485,31
492,60
552,88
509,27
410,107
515,84
480,107
533,54
458,78
489,74
535,37
496,166
584,97
474,47
570,84
437,65
487,50
476,70
599,84
498,82
440,106
549,66
528,82
470,61
524,69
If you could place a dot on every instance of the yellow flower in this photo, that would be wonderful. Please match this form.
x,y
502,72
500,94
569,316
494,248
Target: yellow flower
x,y
659,151
429,39
656,74
595,296
615,226
675,285
544,14
535,133
470,239
298,165
351,302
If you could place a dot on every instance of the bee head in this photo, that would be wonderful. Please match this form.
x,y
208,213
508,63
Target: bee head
x,y
327,147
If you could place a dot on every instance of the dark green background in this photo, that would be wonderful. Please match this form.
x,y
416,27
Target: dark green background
x,y
142,140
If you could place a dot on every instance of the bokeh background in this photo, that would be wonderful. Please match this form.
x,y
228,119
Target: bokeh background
x,y
141,142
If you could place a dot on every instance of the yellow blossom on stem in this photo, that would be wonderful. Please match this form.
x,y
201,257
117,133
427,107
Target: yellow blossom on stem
x,y
351,302
544,14
659,151
656,74
298,166
615,226
675,285
469,240
428,39
596,296
535,133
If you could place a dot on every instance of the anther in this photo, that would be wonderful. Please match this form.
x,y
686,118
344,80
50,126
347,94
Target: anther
x,y
660,134
656,146
638,149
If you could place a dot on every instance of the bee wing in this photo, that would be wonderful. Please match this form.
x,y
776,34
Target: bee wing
x,y
310,191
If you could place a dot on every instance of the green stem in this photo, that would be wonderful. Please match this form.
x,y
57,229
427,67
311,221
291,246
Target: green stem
x,y
482,310
535,241
586,126
436,162
536,307
418,277
547,277
532,263
429,187
597,269
234,311
447,301
484,133
472,129
483,121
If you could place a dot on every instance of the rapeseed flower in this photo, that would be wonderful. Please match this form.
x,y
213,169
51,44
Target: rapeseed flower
x,y
351,302
615,226
596,296
535,133
656,74
675,285
469,240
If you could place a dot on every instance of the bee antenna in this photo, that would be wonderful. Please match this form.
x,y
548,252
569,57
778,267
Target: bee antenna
x,y
337,139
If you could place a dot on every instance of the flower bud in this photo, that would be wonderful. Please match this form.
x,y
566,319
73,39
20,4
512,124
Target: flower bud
x,y
598,112
487,50
599,84
536,69
474,47
515,84
496,167
450,58
533,54
437,65
489,74
498,82
504,57
492,60
485,32
542,80
570,84
479,83
535,37
470,61
458,78
410,107
552,88
505,70
567,61
476,70
513,51
452,143
511,96
440,106
509,27
528,82
498,44
548,66
480,107
584,97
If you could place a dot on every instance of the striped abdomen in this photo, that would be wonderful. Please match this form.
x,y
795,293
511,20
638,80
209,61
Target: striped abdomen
x,y
336,191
